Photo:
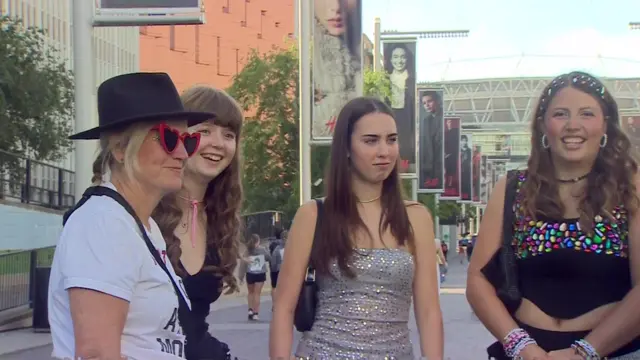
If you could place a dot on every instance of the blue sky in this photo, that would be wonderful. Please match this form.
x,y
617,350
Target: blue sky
x,y
555,36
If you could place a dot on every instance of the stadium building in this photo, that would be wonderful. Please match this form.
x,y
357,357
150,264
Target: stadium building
x,y
498,111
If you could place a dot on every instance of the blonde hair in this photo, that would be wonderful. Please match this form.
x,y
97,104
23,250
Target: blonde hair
x,y
130,140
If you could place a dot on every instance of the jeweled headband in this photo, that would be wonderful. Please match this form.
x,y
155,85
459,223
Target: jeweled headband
x,y
582,81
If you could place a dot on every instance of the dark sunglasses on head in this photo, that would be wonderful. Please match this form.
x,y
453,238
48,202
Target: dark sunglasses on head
x,y
170,137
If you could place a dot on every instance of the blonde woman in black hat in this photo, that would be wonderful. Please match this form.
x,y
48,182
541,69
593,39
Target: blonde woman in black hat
x,y
112,292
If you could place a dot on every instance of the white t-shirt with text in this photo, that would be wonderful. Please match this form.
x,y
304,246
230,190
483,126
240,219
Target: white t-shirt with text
x,y
101,249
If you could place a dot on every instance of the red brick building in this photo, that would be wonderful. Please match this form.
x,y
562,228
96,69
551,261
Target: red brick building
x,y
214,52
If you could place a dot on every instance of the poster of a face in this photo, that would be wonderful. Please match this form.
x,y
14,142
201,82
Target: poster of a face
x,y
399,63
484,180
430,140
631,126
466,167
477,156
451,158
337,62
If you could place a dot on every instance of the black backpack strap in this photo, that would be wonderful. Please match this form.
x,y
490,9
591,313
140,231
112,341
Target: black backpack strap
x,y
105,191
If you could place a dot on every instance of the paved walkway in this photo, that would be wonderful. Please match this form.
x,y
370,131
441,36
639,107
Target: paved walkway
x,y
465,337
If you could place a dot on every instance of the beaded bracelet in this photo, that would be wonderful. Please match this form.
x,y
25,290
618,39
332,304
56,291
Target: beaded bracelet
x,y
515,341
583,348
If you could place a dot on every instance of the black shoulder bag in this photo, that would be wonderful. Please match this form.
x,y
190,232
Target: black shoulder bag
x,y
501,270
305,313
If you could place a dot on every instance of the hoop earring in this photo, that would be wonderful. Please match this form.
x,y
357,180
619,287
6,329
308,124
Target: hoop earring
x,y
603,141
544,141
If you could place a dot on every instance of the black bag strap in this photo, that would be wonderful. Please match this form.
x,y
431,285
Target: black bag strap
x,y
508,214
311,271
105,191
507,254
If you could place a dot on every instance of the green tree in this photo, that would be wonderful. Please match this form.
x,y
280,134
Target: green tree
x,y
376,83
36,94
267,88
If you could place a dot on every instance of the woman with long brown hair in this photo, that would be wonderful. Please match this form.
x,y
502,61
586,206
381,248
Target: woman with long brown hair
x,y
201,223
373,255
572,236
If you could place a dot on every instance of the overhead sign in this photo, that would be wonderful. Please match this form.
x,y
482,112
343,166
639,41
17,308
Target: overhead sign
x,y
148,12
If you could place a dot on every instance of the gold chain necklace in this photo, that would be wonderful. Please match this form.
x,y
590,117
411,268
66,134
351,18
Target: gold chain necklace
x,y
369,201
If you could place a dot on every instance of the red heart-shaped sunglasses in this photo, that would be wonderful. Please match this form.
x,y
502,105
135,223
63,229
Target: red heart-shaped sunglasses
x,y
170,137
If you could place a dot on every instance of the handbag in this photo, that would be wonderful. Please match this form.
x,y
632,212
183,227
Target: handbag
x,y
184,307
501,271
305,313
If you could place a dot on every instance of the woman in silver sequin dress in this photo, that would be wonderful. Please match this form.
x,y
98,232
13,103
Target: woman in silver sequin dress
x,y
373,255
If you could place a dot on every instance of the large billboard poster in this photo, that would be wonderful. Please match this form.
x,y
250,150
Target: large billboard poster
x,y
476,160
430,140
631,126
452,129
484,180
337,62
400,64
466,167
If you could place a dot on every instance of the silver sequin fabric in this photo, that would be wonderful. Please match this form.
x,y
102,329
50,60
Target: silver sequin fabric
x,y
365,317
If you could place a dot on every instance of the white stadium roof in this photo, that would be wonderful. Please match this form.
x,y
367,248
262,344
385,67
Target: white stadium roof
x,y
526,66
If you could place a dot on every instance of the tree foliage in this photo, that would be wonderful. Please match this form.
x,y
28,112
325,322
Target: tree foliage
x,y
377,83
36,93
267,88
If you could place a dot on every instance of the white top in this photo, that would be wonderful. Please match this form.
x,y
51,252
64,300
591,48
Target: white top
x,y
101,249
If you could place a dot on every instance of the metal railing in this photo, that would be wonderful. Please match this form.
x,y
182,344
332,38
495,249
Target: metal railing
x,y
33,182
17,276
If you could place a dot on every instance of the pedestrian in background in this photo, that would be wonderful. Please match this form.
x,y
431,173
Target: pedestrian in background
x,y
254,269
277,255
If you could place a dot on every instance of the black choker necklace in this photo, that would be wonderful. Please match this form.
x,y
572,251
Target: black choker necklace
x,y
574,180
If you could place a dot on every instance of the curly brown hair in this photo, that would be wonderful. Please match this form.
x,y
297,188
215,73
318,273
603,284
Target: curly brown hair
x,y
611,181
223,196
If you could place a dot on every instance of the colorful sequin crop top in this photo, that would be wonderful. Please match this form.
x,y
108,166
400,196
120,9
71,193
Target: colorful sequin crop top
x,y
566,271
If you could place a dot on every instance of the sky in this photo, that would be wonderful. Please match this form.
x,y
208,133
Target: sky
x,y
516,38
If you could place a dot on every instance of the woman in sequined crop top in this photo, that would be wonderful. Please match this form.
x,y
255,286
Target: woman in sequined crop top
x,y
201,223
576,235
373,253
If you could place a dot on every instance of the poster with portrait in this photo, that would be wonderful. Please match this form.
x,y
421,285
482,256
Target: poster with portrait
x,y
337,62
475,174
484,179
400,64
452,127
631,126
430,140
466,167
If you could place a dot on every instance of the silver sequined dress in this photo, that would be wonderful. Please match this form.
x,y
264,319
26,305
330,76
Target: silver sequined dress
x,y
365,317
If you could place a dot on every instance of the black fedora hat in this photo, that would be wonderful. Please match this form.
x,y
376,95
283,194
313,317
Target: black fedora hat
x,y
138,97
